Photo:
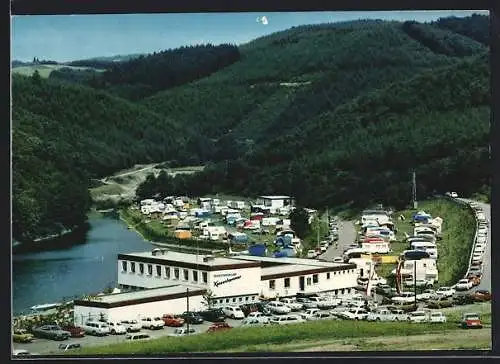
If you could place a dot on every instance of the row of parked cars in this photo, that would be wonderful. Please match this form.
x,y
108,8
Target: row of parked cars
x,y
476,262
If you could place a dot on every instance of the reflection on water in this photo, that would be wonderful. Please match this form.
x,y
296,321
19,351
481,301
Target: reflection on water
x,y
88,266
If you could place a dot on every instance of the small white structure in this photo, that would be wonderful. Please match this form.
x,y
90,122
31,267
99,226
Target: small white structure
x,y
426,269
275,203
134,305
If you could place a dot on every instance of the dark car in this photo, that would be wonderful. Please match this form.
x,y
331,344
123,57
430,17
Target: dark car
x,y
191,317
213,315
75,331
53,332
262,307
482,295
249,307
463,299
70,346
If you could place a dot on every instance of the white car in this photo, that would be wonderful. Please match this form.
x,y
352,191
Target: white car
x,y
418,316
258,316
354,314
453,194
233,312
307,303
131,325
95,328
463,285
404,297
152,323
251,322
437,317
116,328
445,291
309,314
285,320
329,302
380,315
294,305
426,295
278,307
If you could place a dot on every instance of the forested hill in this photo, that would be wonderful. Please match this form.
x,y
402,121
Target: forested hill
x,y
330,113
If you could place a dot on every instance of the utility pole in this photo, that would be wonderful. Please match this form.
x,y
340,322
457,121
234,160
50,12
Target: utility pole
x,y
415,282
187,309
414,190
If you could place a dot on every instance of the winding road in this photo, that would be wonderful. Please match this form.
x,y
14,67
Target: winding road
x,y
347,236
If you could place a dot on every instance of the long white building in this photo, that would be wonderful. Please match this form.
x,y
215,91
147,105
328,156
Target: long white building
x,y
160,281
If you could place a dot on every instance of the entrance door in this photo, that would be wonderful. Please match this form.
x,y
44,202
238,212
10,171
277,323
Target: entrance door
x,y
302,283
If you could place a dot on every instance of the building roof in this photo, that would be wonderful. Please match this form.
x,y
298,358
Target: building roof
x,y
186,260
144,296
293,270
289,260
277,197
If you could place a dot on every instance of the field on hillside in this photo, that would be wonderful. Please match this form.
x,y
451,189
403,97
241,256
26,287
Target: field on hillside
x,y
45,69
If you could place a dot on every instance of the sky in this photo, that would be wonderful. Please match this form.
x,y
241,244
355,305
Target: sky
x,y
65,38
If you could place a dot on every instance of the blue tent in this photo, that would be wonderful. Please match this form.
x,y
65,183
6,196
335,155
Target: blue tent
x,y
258,250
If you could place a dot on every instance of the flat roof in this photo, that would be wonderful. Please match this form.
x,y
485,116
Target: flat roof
x,y
287,268
143,296
288,260
276,197
187,260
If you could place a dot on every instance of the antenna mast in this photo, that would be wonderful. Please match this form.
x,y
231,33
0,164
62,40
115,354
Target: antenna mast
x,y
414,190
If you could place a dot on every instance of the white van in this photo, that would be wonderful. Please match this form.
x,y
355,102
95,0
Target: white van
x,y
116,328
426,247
96,328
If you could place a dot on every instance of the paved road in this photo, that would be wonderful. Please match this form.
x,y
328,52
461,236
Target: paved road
x,y
347,236
486,278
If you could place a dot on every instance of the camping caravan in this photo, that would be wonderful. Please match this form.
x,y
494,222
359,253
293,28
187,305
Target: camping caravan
x,y
425,246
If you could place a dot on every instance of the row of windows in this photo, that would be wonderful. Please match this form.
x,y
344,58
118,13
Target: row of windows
x,y
235,300
309,280
164,271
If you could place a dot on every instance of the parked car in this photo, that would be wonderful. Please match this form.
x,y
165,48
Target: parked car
x,y
22,336
309,314
96,328
354,314
69,346
306,303
445,291
329,302
249,307
471,321
437,317
426,295
258,316
278,307
419,282
183,331
463,285
233,312
418,316
137,336
440,302
383,289
482,295
52,332
172,320
219,326
250,321
293,304
75,331
21,353
116,328
311,254
152,323
285,320
131,325
404,297
384,314
192,317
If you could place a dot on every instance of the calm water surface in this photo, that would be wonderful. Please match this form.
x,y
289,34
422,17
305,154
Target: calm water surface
x,y
86,267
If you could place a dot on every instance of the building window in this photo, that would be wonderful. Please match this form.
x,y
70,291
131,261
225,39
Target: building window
x,y
246,298
158,270
132,267
234,299
195,275
227,300
204,277
124,266
253,298
240,299
328,275
186,274
308,281
150,269
141,268
272,284
167,272
287,282
315,278
176,273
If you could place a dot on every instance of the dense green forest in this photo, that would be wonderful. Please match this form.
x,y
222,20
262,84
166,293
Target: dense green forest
x,y
330,113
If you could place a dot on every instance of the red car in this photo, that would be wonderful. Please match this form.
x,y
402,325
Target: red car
x,y
482,295
75,331
219,326
173,321
471,321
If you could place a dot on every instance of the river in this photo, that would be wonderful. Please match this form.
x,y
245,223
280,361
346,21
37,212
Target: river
x,y
87,266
